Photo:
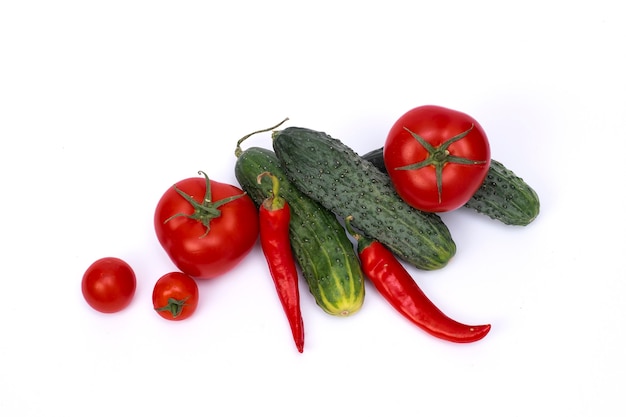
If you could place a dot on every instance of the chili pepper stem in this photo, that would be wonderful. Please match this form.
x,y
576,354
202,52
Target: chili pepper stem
x,y
362,241
275,201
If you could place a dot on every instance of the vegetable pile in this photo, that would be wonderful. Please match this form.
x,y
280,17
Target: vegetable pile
x,y
333,216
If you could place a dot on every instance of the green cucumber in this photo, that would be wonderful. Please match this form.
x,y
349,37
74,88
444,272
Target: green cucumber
x,y
331,173
503,196
322,249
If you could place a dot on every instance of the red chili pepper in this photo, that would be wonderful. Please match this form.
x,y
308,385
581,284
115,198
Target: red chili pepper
x,y
399,288
274,216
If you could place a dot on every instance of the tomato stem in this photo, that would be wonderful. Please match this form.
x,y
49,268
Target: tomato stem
x,y
238,150
439,156
205,211
174,306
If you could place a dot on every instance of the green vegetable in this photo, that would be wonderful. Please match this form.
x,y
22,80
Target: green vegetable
x,y
503,195
331,173
322,248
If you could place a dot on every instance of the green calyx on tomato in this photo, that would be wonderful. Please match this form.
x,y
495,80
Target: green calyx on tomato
x,y
175,296
174,306
182,226
432,166
207,210
439,156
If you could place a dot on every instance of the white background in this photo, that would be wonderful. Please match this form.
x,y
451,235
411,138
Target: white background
x,y
104,105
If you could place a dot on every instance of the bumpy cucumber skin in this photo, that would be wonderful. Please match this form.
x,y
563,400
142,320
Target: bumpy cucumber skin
x,y
503,196
323,250
376,158
331,173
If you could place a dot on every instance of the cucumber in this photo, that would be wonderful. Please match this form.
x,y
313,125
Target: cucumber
x,y
322,249
503,196
331,173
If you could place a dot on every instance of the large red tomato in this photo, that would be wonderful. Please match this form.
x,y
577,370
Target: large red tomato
x,y
436,157
206,227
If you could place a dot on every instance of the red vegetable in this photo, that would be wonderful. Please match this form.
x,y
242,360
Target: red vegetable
x,y
436,158
109,285
274,215
175,296
397,286
206,227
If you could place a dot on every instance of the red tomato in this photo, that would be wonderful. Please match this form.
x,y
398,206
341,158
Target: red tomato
x,y
175,296
205,233
436,158
109,285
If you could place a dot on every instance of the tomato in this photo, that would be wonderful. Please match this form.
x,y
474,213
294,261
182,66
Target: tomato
x,y
109,285
206,227
175,296
436,157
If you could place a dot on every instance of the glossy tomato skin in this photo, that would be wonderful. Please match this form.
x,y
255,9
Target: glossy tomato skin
x,y
108,285
436,125
175,296
191,248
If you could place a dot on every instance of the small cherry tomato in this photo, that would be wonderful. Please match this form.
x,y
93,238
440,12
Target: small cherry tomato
x,y
109,285
437,158
206,227
175,296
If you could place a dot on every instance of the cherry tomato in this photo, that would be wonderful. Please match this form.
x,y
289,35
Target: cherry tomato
x,y
175,296
109,285
206,227
436,157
